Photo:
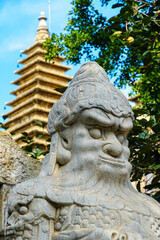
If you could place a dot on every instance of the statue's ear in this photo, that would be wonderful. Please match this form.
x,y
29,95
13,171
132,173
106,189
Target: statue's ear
x,y
63,155
66,138
49,162
48,165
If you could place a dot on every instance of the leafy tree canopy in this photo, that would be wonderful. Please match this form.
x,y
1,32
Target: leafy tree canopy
x,y
127,46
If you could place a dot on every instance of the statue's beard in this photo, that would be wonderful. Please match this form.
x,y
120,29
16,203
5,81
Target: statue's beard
x,y
104,191
90,177
97,177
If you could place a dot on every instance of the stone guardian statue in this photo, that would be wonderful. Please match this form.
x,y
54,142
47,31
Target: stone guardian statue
x,y
84,190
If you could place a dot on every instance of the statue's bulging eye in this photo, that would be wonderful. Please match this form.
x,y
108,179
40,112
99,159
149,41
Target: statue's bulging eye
x,y
95,133
120,137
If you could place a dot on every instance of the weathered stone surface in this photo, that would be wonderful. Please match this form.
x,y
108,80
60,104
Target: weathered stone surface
x,y
83,190
4,193
15,165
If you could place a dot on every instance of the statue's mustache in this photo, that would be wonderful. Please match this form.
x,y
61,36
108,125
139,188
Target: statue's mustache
x,y
115,162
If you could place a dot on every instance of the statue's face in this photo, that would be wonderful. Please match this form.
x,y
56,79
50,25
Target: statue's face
x,y
98,143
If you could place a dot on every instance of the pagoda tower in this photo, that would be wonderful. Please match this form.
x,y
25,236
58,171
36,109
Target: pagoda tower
x,y
36,92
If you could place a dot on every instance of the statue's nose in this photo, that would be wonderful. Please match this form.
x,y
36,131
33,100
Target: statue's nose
x,y
112,146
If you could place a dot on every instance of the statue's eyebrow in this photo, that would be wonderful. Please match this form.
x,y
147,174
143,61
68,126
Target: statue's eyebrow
x,y
94,118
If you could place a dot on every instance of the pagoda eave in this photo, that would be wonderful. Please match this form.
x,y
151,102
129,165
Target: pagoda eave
x,y
14,116
41,63
27,103
30,49
52,84
37,96
33,131
36,89
29,121
37,141
40,71
39,52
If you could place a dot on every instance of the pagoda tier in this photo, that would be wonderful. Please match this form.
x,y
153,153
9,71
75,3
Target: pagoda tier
x,y
36,92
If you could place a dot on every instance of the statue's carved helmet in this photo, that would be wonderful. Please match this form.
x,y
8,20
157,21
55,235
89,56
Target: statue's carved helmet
x,y
90,88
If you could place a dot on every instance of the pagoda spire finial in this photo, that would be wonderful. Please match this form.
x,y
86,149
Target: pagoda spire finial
x,y
42,31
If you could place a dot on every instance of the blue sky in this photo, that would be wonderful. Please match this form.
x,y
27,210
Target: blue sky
x,y
18,26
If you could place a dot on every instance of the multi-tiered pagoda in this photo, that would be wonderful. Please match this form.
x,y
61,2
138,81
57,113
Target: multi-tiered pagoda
x,y
36,92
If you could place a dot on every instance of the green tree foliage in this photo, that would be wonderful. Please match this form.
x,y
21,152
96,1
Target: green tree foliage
x,y
127,46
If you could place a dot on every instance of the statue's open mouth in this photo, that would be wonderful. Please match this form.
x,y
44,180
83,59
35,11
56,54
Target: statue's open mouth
x,y
113,161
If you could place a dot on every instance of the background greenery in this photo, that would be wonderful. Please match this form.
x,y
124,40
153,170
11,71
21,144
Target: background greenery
x,y
127,46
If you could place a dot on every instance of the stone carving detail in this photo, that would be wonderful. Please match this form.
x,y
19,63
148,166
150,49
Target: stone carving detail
x,y
83,190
